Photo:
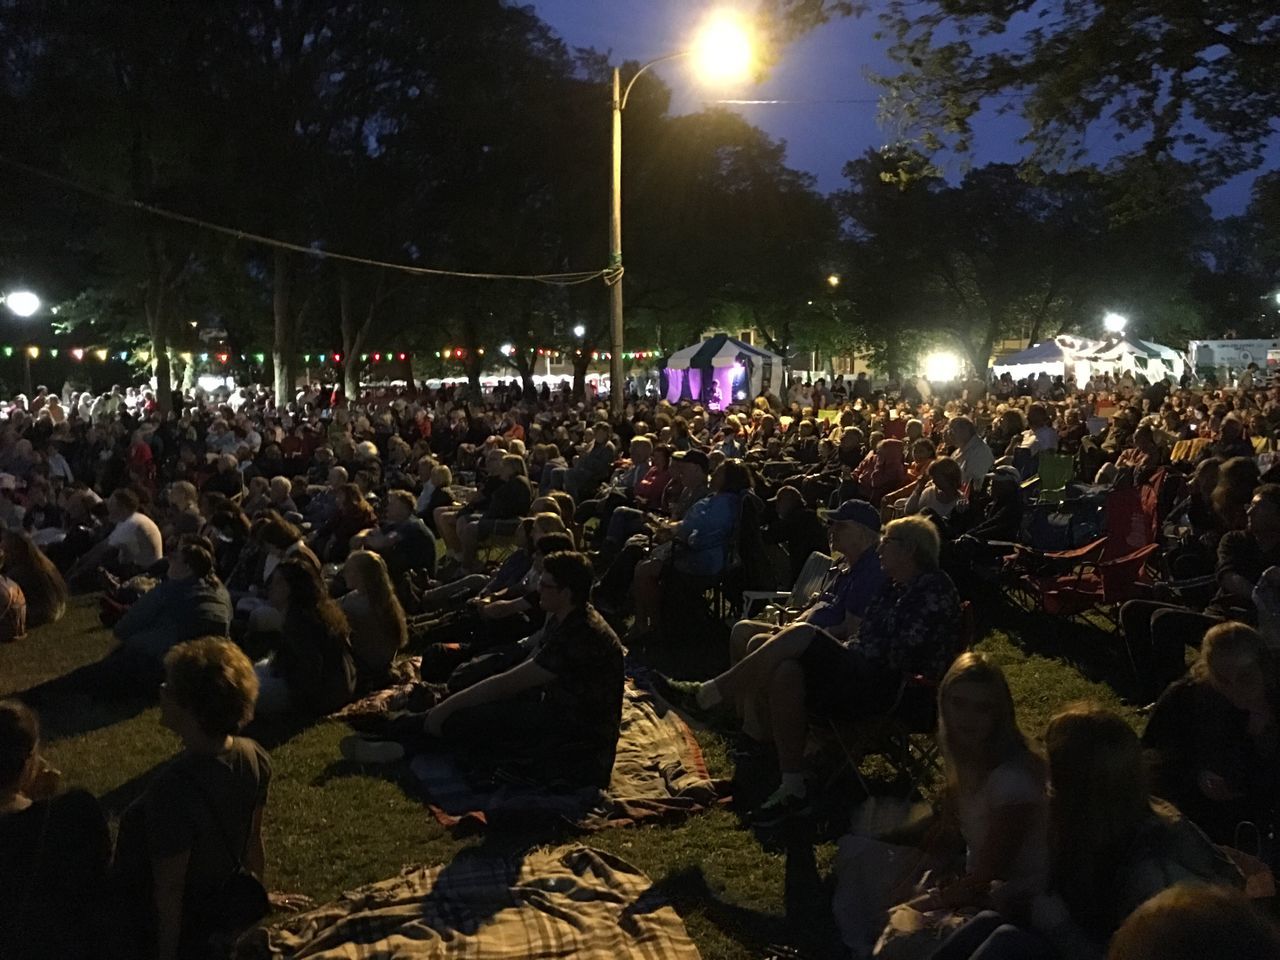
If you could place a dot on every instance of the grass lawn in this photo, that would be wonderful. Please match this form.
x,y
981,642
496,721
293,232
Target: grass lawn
x,y
332,826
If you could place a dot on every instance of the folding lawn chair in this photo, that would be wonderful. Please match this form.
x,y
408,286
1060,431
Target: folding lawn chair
x,y
1099,586
813,577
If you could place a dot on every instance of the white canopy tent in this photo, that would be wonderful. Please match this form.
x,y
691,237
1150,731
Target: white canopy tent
x,y
1058,357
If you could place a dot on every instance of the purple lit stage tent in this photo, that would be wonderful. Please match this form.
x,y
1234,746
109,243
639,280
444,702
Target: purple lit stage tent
x,y
720,371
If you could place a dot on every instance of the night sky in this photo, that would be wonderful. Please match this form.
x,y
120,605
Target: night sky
x,y
829,64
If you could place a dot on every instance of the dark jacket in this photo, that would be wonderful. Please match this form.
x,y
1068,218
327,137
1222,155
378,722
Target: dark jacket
x,y
173,612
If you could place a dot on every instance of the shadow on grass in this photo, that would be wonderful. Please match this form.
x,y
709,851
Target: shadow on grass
x,y
1093,647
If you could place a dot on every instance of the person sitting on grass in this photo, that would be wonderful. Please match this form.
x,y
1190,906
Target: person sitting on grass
x,y
1112,847
554,717
54,852
909,629
995,799
190,603
378,629
42,585
133,546
1214,736
199,822
311,671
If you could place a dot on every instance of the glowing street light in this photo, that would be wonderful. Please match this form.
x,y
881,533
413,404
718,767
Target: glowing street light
x,y
579,331
942,367
722,52
833,280
1114,323
22,303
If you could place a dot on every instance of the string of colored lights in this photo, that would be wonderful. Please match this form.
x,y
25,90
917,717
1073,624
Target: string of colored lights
x,y
103,354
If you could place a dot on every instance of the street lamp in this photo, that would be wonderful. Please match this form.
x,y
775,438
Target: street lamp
x,y
579,331
1114,323
833,280
722,52
24,304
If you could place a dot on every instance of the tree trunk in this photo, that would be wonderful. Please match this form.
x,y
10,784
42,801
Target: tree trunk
x,y
282,342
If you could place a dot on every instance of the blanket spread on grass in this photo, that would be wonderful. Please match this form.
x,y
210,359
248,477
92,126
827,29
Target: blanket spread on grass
x,y
658,772
571,901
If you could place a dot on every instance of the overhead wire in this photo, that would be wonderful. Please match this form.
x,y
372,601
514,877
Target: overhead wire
x,y
571,278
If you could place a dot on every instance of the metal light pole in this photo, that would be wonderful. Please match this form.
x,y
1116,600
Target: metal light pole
x,y
616,400
724,50
614,278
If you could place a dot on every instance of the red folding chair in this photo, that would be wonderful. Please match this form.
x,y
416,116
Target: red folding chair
x,y
1100,586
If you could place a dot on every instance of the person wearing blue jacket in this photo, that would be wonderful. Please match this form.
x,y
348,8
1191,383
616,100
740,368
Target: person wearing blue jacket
x,y
191,603
699,544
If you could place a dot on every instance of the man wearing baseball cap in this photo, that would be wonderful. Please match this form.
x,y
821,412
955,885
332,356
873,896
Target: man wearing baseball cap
x,y
771,677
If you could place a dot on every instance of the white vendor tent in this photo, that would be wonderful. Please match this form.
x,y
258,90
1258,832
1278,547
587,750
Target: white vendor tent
x,y
1057,357
1119,355
722,370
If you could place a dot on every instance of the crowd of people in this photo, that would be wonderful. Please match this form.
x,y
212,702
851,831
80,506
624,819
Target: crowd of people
x,y
259,561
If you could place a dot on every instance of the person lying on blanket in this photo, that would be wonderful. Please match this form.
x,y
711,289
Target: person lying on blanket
x,y
907,628
553,718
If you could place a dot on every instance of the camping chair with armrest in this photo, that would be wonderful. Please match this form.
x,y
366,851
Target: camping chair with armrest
x,y
809,584
904,735
1026,568
1055,471
1098,587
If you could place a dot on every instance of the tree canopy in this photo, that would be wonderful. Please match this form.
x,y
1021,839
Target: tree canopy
x,y
1196,83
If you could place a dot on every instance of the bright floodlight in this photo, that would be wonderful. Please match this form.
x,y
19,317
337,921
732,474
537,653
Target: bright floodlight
x,y
506,349
1114,323
723,51
941,367
834,280
22,303
579,331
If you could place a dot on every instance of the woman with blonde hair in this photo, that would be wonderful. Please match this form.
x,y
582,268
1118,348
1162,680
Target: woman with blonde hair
x,y
1112,846
378,628
995,800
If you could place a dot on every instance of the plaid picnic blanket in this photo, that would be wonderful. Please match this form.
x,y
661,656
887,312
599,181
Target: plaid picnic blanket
x,y
658,772
570,901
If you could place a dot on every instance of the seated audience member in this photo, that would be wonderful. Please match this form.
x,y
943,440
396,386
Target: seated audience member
x,y
229,531
258,497
996,800
13,608
1214,736
937,491
352,515
555,716
436,493
54,852
970,452
378,630
881,471
134,544
593,466
621,489
697,546
42,585
183,516
1158,633
442,596
311,671
508,502
909,628
199,822
797,528
404,541
1193,922
227,479
1112,846
280,494
191,602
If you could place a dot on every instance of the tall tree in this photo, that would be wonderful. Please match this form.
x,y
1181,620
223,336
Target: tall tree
x,y
1179,81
